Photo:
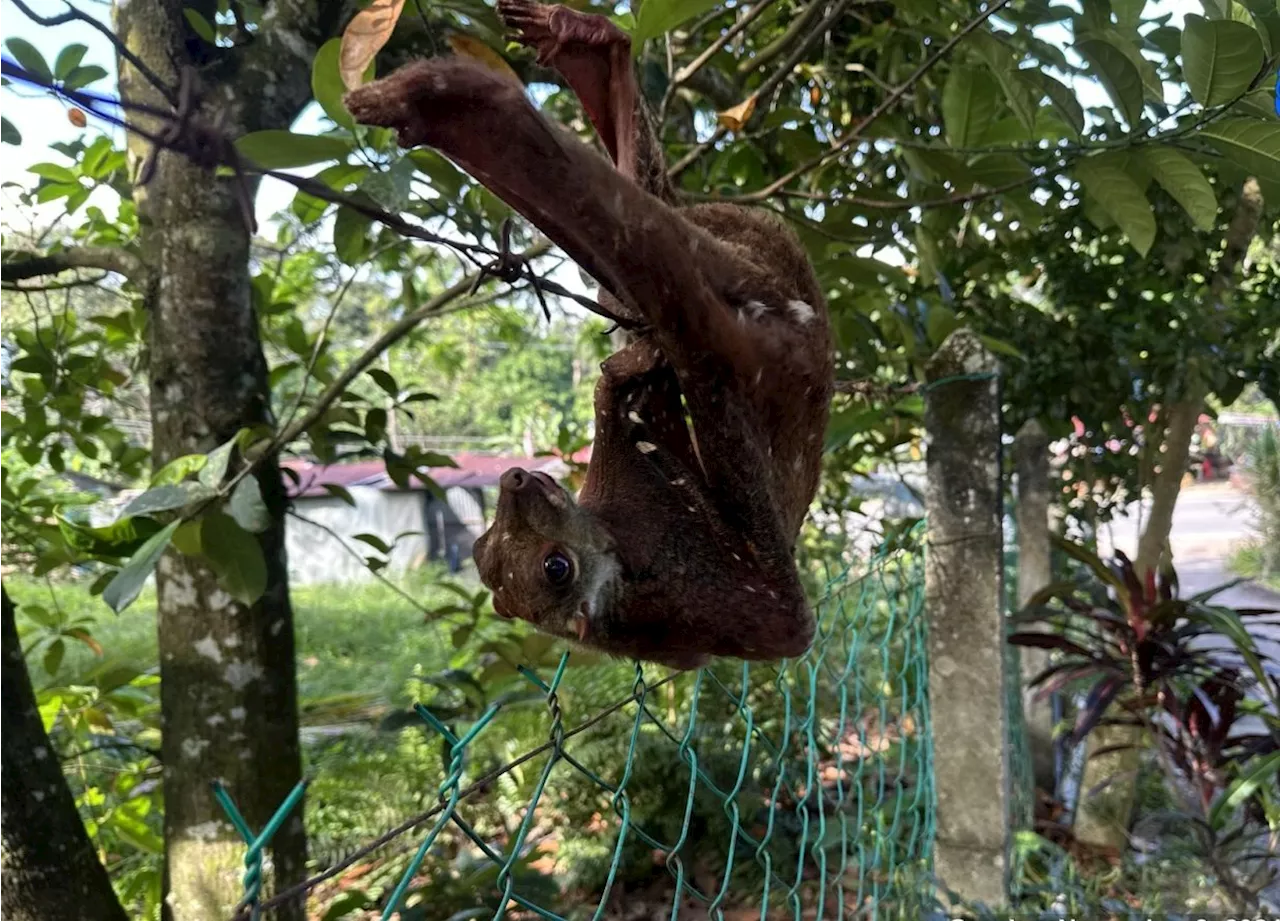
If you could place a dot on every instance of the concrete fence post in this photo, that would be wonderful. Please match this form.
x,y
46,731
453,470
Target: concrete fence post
x,y
963,595
1035,571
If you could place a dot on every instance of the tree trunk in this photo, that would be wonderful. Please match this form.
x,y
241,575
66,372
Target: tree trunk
x,y
228,681
1035,571
1103,818
50,869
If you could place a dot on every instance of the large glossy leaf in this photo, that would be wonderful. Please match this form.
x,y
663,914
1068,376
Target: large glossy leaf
x,y
657,17
969,105
1220,58
236,557
286,149
167,498
327,85
1060,96
1252,145
1183,180
128,582
29,57
1118,76
1113,190
247,508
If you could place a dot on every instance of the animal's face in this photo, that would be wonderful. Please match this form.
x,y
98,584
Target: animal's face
x,y
545,559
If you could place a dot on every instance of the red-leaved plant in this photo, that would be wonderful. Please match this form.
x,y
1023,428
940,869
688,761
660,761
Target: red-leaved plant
x,y
1182,669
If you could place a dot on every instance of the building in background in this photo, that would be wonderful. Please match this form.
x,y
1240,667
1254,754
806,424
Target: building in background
x,y
414,524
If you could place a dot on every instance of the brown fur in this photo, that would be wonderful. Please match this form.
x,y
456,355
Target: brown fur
x,y
682,540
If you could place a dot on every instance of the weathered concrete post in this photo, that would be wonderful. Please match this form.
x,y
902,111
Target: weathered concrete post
x,y
1035,571
963,592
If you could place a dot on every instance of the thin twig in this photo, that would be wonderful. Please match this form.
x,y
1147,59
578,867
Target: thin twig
x,y
680,77
884,105
774,81
73,14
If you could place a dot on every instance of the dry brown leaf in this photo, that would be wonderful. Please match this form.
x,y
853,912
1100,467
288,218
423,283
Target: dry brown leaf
x,y
474,48
76,117
364,37
739,115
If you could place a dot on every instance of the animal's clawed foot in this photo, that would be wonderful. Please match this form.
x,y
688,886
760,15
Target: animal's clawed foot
x,y
549,28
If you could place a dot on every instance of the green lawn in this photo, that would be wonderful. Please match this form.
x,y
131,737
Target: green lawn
x,y
352,639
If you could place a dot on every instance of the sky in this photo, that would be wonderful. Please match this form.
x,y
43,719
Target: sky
x,y
43,120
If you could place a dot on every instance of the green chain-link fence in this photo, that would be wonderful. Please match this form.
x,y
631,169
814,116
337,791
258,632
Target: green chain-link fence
x,y
747,791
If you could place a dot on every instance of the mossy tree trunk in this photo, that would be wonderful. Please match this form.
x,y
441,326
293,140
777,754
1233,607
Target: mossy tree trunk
x,y
228,691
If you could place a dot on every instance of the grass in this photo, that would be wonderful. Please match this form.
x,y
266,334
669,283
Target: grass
x,y
1247,562
359,638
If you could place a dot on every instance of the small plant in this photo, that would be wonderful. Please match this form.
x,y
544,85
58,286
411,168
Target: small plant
x,y
1262,468
1183,674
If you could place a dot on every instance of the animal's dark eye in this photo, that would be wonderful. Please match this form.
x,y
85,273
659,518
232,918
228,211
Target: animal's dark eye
x,y
557,567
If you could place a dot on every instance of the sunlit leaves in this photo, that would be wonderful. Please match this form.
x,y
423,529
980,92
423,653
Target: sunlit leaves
x,y
657,17
1220,58
1111,188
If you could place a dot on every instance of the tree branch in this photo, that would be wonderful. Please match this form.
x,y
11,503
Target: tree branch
x,y
768,86
25,264
884,106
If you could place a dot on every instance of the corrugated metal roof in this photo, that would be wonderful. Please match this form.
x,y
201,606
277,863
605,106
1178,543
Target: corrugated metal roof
x,y
473,471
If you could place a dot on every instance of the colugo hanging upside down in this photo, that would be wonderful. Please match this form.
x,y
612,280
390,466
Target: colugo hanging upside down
x,y
680,546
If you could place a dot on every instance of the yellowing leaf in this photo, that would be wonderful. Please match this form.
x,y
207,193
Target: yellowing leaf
x,y
739,115
474,48
364,37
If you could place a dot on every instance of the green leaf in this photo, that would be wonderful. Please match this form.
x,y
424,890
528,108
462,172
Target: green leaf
x,y
1252,145
53,656
128,582
385,381
186,540
1220,58
968,105
53,172
247,508
327,85
1183,180
374,541
1112,188
1256,773
1118,76
235,555
179,469
1060,96
339,492
285,149
69,59
200,25
31,60
166,498
8,133
658,17
215,468
390,187
350,240
83,76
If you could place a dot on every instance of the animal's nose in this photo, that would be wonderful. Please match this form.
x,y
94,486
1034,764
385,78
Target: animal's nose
x,y
515,479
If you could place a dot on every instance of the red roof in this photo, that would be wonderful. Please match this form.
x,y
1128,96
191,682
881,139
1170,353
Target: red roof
x,y
473,471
